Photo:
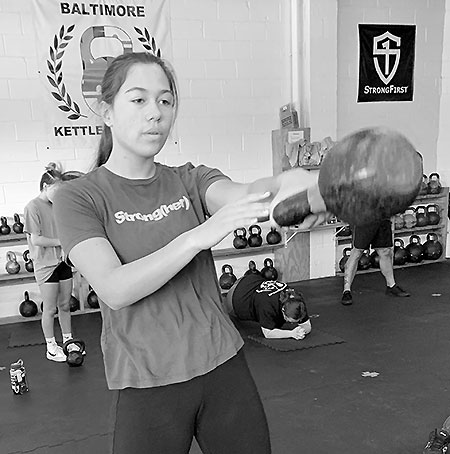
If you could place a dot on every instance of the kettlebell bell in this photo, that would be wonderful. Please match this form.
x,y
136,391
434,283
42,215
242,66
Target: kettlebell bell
x,y
92,299
28,262
12,266
400,254
364,261
269,273
399,222
375,260
251,268
255,238
17,226
424,186
273,237
434,183
345,255
409,217
74,358
28,308
240,240
74,304
421,216
434,216
5,229
227,279
414,249
432,248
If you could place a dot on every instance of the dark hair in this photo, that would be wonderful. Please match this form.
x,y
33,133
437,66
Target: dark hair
x,y
51,176
113,79
293,305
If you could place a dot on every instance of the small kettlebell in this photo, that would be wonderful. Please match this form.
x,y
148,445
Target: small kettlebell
x,y
240,240
364,261
251,268
433,211
269,273
28,262
409,218
12,266
74,358
399,222
17,226
92,299
345,255
434,183
421,216
28,308
255,238
273,237
227,279
424,186
5,229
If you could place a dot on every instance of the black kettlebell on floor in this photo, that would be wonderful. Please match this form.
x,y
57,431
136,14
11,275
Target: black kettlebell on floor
x,y
434,216
227,279
374,260
74,358
268,272
92,299
240,240
364,261
251,268
17,226
273,237
421,216
28,308
432,248
28,262
254,238
414,249
5,229
74,304
12,265
345,255
434,183
400,254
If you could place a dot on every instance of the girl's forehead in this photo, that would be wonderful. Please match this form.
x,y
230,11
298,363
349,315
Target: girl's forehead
x,y
146,76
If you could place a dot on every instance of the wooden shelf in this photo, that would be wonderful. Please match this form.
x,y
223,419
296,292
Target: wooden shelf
x,y
231,252
14,279
16,238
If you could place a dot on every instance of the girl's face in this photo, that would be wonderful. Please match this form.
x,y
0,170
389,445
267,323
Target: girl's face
x,y
142,112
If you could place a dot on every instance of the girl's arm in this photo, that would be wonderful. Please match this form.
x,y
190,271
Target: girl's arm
x,y
43,241
298,333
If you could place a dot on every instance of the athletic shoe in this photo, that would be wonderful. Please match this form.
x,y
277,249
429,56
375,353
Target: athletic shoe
x,y
396,291
347,298
56,355
437,442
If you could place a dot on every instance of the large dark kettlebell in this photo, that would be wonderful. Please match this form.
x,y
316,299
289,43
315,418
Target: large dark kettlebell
x,y
251,268
375,260
433,212
364,261
17,226
399,222
28,262
434,183
254,238
409,218
74,304
74,357
424,186
273,237
414,249
268,272
432,248
5,229
240,240
227,279
28,308
400,254
421,216
345,255
92,299
12,265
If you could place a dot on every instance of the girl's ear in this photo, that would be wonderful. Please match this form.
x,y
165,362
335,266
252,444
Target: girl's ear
x,y
105,112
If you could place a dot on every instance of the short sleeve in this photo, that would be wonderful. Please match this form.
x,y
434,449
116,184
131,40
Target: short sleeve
x,y
32,220
267,316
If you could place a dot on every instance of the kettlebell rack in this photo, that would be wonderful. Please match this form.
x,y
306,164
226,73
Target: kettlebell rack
x,y
11,241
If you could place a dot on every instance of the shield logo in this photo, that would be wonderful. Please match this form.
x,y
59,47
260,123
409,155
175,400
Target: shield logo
x,y
382,48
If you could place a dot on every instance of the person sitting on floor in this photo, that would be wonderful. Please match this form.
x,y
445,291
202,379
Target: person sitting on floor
x,y
270,303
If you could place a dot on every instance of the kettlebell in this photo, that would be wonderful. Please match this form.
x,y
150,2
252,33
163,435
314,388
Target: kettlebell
x,y
414,249
74,304
74,358
433,212
240,240
12,266
432,248
400,254
375,260
421,216
424,186
28,262
268,272
255,238
409,217
28,308
434,183
227,279
92,299
5,229
364,261
345,255
17,226
251,268
273,237
399,222
94,68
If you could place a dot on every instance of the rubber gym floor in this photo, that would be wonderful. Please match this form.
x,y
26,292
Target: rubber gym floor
x,y
318,400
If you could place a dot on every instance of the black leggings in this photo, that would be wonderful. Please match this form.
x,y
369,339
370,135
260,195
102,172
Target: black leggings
x,y
221,409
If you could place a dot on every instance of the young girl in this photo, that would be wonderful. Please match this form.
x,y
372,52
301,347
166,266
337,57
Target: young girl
x,y
140,232
53,276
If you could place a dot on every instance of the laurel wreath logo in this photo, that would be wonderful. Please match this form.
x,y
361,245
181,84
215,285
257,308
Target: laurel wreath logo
x,y
148,42
56,76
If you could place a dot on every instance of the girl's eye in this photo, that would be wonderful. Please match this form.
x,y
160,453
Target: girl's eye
x,y
168,101
138,100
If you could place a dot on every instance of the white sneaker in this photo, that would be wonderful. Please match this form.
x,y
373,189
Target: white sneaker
x,y
56,355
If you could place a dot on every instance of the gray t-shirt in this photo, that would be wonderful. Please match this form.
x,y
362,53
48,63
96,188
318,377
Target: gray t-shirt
x,y
180,331
38,219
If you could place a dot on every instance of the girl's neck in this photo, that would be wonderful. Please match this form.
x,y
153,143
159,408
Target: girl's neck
x,y
43,196
133,170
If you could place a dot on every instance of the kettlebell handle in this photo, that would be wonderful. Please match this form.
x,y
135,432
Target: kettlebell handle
x,y
268,262
79,342
225,267
238,231
253,227
11,256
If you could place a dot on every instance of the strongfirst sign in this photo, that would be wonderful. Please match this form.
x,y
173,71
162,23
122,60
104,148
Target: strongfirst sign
x,y
386,62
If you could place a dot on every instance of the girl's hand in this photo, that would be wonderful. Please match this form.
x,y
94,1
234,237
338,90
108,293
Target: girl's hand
x,y
298,333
